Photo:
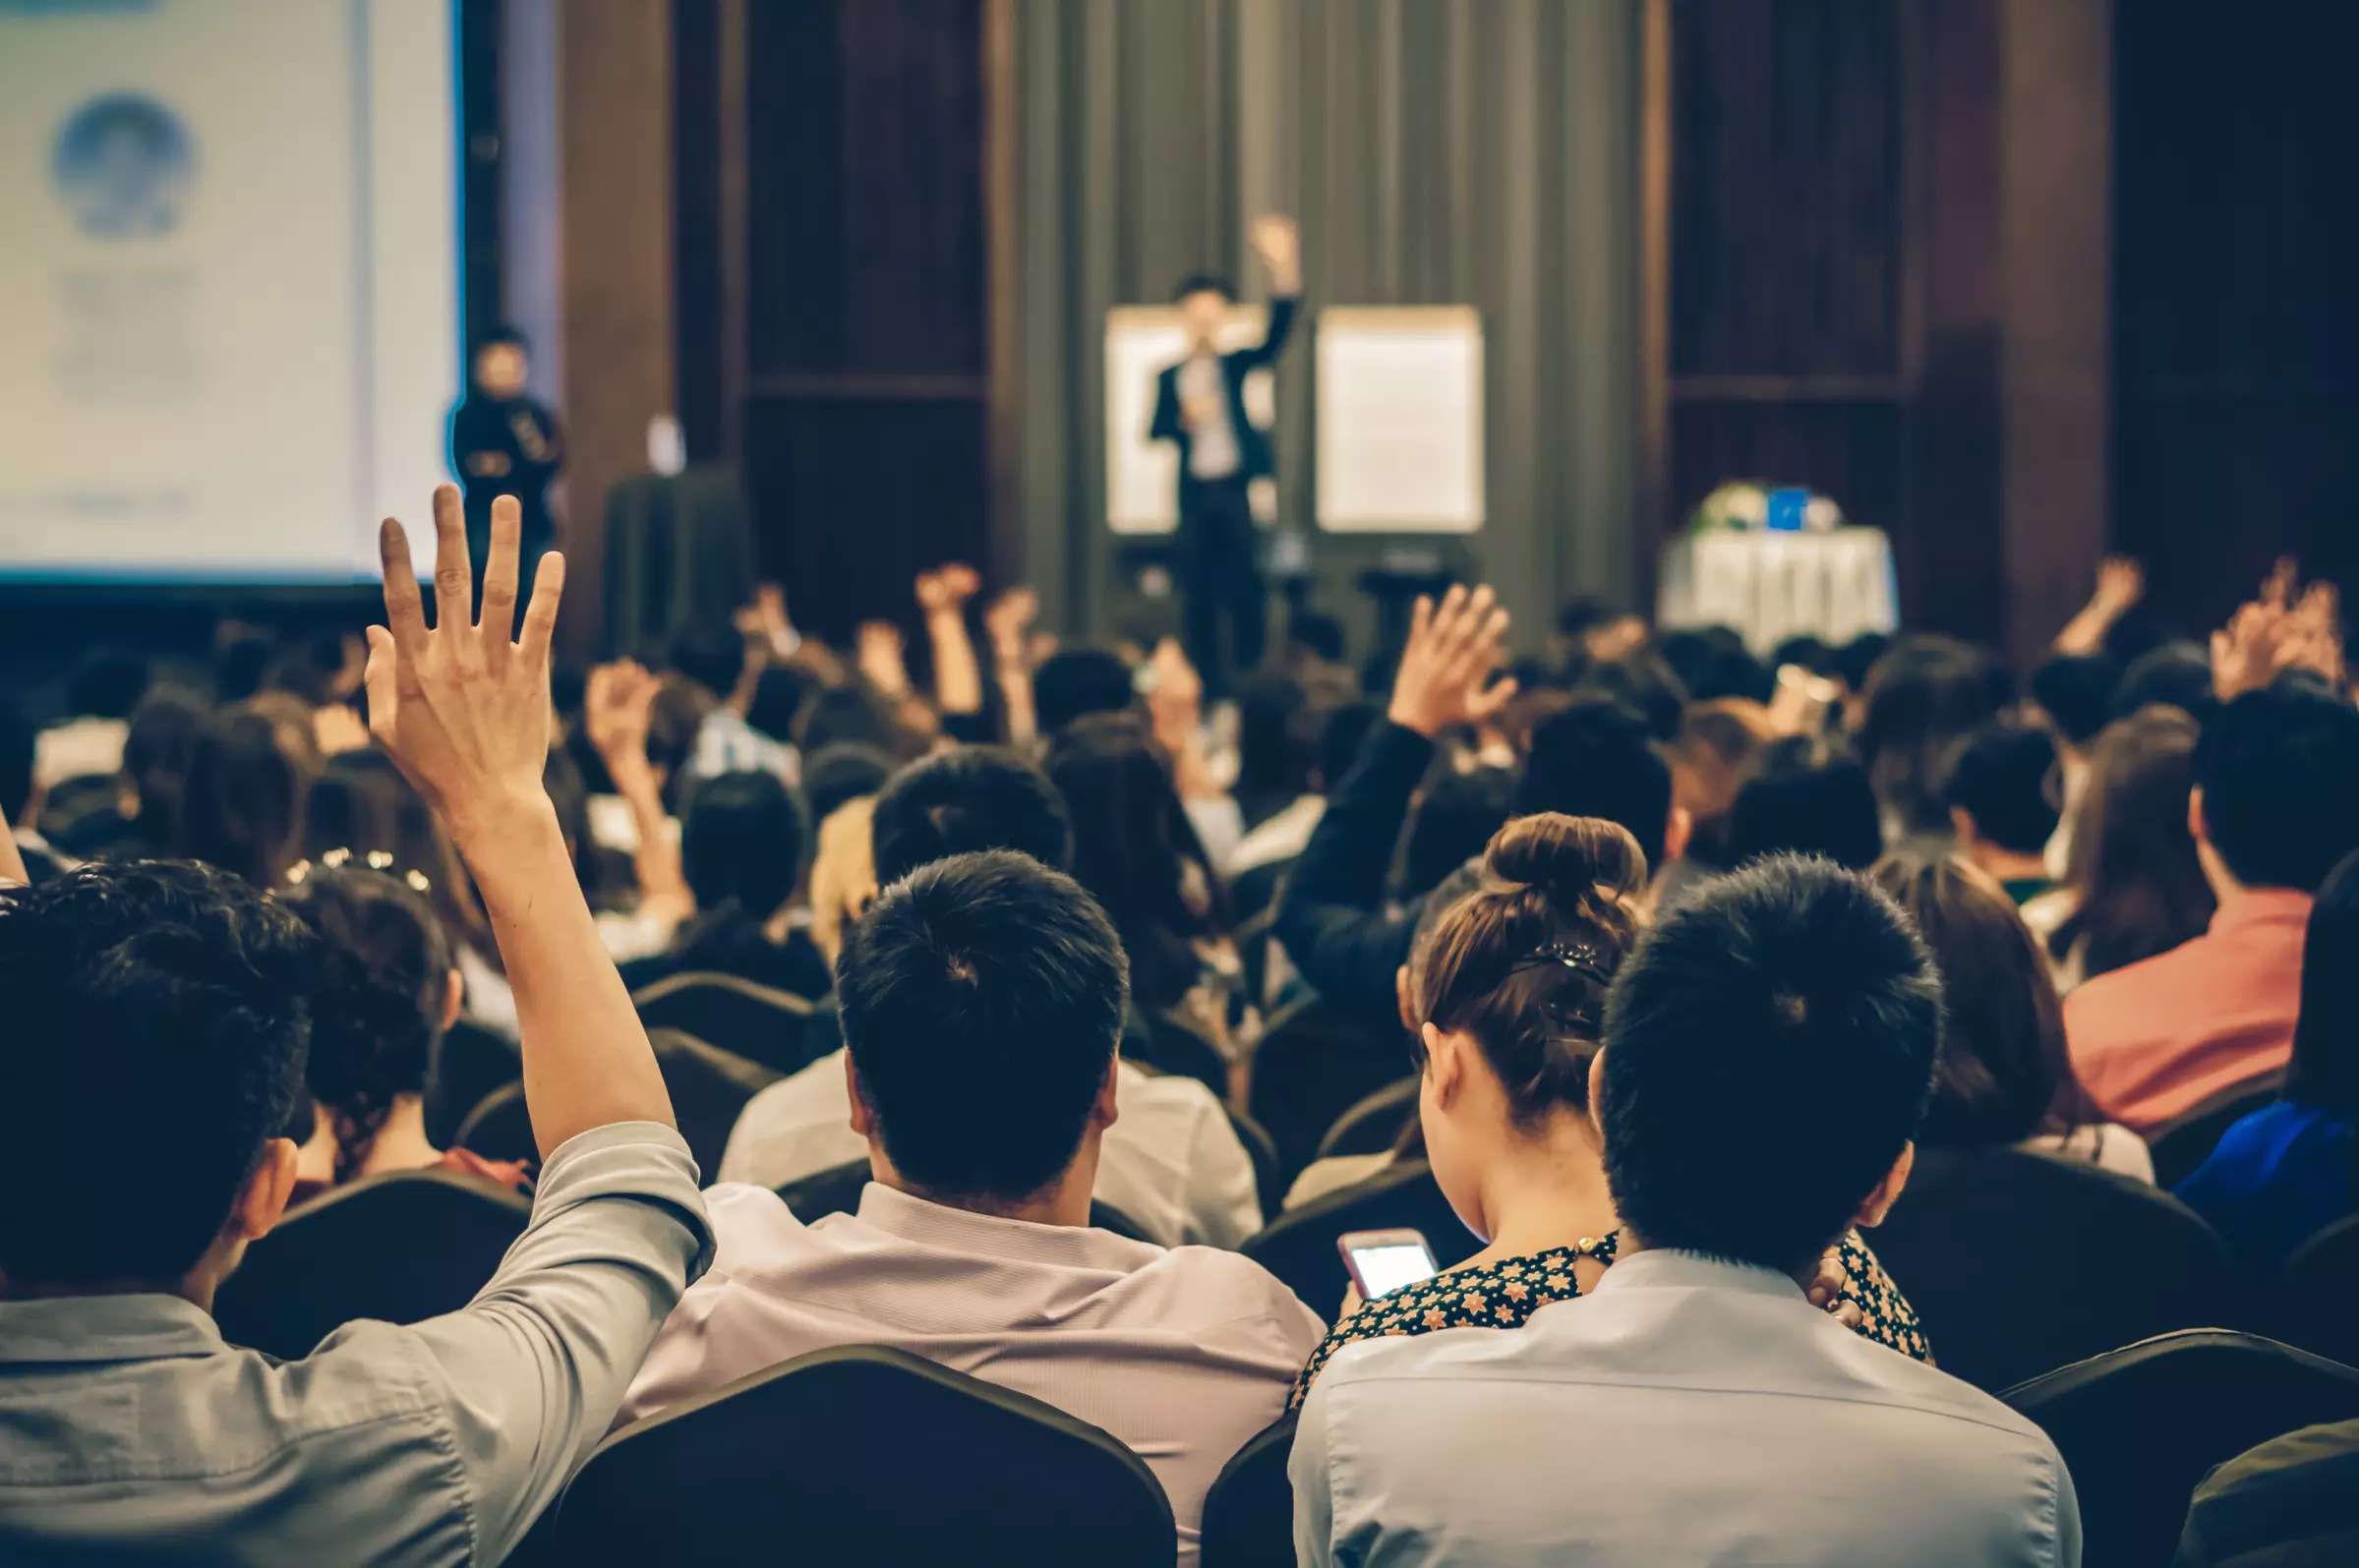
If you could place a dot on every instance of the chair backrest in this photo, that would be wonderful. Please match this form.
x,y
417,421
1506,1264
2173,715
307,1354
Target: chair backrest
x,y
2318,1295
1249,1513
2187,1142
1299,1247
837,1190
762,1024
2140,1428
1176,1046
1374,1125
469,1063
863,1454
1268,1178
2020,1263
709,1090
1312,1066
500,1128
400,1247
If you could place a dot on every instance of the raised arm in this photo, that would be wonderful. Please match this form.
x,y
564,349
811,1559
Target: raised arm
x,y
464,712
618,709
958,676
1278,243
1009,621
2120,584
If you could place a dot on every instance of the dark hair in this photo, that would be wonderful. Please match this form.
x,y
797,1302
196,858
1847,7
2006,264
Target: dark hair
x,y
1456,814
1644,683
741,846
1136,851
962,802
1769,1049
2076,692
18,743
2003,1074
850,715
1711,663
1857,660
2177,674
243,656
1317,634
1804,794
841,773
107,683
2325,1070
1811,653
162,1001
1522,961
781,693
1274,756
1718,742
1580,615
2000,774
1073,681
240,807
377,1002
712,656
361,802
2280,772
156,756
2141,888
1922,695
982,996
1597,758
1203,283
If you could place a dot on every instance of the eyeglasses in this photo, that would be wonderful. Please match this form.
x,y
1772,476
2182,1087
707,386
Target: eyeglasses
x,y
374,860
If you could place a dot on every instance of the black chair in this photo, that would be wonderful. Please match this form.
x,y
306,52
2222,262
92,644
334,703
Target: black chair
x,y
837,1190
1176,1047
709,1090
1249,1513
1299,1247
1374,1125
757,1023
500,1128
2187,1142
1312,1066
399,1247
469,1063
2140,1428
1267,1180
2020,1263
863,1455
2318,1295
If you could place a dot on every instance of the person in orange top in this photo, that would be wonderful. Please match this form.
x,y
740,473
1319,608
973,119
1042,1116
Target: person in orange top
x,y
2276,805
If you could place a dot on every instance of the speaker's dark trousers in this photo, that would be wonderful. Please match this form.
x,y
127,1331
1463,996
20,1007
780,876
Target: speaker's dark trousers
x,y
1219,578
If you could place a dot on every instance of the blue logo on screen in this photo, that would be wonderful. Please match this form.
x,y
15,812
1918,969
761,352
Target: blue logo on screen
x,y
124,167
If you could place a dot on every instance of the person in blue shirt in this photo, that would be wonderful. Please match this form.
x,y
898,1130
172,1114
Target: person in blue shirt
x,y
2286,1172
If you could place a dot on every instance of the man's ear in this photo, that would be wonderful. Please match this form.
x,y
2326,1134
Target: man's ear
x,y
1106,1112
863,1120
2197,828
267,1191
1878,1203
1597,1089
1678,829
1963,829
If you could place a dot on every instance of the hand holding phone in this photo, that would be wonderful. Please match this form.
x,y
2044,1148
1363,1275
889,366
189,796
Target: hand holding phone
x,y
1383,1261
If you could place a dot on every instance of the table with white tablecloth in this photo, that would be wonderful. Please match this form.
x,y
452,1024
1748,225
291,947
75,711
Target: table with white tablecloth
x,y
1771,585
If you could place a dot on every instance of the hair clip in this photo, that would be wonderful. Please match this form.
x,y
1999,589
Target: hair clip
x,y
1580,957
374,860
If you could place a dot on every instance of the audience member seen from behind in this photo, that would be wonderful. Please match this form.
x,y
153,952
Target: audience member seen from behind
x,y
2134,886
385,992
240,807
741,849
2276,806
146,812
2286,1172
983,998
2003,791
1804,794
165,1001
2003,1078
1925,694
1769,1046
1172,1164
2072,696
1509,991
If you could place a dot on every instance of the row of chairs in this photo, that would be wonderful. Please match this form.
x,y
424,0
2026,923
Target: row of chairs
x,y
868,1454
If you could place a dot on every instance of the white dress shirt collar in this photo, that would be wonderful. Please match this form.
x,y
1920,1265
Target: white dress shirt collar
x,y
925,1223
1668,1268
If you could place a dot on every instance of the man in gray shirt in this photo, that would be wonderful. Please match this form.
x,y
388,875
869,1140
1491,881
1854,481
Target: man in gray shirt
x,y
156,1041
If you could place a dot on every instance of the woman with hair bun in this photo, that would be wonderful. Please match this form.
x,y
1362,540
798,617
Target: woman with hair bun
x,y
387,992
1508,987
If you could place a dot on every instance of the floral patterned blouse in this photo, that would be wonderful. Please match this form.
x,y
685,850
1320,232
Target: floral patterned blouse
x,y
1504,1294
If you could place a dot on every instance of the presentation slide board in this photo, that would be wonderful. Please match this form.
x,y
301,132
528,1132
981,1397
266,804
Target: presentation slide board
x,y
228,284
1399,443
1143,476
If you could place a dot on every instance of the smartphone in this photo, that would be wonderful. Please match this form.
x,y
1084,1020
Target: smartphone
x,y
1383,1261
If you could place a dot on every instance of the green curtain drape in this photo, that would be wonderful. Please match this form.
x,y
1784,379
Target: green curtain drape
x,y
1437,151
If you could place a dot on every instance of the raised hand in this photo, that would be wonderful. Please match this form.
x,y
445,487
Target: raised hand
x,y
1278,243
463,708
2120,583
2275,633
1010,617
1452,649
946,590
881,660
619,708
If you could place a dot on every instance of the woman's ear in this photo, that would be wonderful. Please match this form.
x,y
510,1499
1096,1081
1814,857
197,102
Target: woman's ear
x,y
1444,1063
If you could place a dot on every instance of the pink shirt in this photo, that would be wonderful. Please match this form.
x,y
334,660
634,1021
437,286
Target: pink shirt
x,y
1181,1355
2158,1039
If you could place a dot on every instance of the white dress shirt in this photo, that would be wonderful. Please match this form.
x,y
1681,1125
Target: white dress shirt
x,y
1685,1411
1212,440
1180,1355
1171,1161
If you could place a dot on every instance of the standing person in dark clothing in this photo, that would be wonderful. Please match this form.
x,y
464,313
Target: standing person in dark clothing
x,y
504,443
1199,406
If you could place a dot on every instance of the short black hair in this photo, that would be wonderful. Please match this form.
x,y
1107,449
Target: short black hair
x,y
1075,682
163,1002
1643,681
712,658
1769,1050
1711,663
780,692
841,773
2279,773
1597,758
18,743
1857,658
499,333
983,998
1203,283
107,683
1456,815
1998,775
2076,692
1317,633
2177,674
1806,795
743,842
966,800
